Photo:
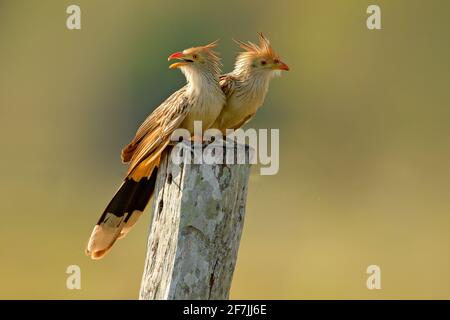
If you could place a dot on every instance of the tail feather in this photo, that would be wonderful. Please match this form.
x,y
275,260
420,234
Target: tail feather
x,y
121,214
133,218
139,202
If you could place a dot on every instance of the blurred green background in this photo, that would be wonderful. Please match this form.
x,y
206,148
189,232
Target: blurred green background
x,y
364,124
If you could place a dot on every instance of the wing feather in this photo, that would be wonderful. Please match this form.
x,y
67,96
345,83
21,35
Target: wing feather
x,y
154,136
227,84
150,125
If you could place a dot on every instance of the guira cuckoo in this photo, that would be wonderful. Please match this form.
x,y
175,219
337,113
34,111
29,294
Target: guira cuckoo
x,y
246,86
200,100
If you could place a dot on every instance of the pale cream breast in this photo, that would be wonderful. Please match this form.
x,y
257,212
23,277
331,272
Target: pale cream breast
x,y
206,110
237,109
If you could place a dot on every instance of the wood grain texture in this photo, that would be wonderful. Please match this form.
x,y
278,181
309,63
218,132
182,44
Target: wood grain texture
x,y
198,216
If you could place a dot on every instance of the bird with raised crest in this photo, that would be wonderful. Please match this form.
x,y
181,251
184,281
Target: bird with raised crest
x,y
201,99
246,86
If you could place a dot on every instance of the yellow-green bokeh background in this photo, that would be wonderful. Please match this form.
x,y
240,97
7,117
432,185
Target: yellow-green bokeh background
x,y
364,122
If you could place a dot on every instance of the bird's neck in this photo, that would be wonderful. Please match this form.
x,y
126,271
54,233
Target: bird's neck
x,y
199,83
204,92
254,86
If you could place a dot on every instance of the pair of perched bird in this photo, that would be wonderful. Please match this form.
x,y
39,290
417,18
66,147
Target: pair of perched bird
x,y
219,101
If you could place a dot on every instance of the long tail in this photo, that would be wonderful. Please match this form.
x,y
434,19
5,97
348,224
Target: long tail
x,y
123,211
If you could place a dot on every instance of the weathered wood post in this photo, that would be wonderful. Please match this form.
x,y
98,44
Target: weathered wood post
x,y
198,216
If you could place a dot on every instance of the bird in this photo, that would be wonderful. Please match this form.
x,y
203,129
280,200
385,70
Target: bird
x,y
201,99
246,86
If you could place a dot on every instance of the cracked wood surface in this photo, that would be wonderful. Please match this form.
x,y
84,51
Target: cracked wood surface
x,y
198,216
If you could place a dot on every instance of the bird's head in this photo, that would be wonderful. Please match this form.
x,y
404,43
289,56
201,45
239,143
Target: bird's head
x,y
196,60
259,59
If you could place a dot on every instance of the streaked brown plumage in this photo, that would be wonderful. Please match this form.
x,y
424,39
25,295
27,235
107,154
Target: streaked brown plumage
x,y
246,86
200,100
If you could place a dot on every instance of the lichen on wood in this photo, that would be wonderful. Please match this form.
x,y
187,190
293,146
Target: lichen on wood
x,y
198,215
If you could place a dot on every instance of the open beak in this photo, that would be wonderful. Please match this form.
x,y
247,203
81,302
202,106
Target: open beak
x,y
180,56
281,66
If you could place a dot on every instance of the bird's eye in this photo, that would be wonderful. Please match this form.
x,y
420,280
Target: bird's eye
x,y
195,56
263,63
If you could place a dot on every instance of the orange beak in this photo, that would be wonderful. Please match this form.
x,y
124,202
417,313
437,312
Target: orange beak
x,y
177,55
281,66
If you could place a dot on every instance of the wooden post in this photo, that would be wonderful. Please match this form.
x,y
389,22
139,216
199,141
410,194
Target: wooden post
x,y
198,215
